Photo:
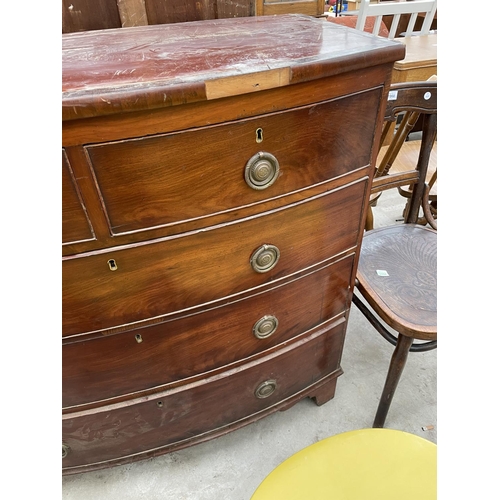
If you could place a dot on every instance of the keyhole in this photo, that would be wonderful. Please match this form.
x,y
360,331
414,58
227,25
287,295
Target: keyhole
x,y
112,264
259,135
159,404
138,338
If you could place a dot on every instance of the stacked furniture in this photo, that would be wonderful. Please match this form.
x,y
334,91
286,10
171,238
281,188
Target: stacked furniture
x,y
84,15
216,177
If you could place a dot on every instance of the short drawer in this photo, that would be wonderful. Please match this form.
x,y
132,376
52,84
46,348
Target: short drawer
x,y
127,431
75,223
142,359
130,284
145,183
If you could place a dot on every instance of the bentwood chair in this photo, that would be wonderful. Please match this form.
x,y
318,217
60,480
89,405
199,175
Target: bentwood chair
x,y
396,287
401,155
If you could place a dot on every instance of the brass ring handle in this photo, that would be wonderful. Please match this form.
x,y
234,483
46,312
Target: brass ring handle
x,y
265,327
261,170
65,450
265,389
264,258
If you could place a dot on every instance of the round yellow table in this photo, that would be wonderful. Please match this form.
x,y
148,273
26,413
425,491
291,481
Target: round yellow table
x,y
366,464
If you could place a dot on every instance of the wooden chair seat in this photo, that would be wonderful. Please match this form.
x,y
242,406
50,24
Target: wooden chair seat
x,y
397,276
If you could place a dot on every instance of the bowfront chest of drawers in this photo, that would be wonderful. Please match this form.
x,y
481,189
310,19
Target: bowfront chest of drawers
x,y
215,179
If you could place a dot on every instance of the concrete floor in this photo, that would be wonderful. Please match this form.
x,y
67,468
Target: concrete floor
x,y
231,467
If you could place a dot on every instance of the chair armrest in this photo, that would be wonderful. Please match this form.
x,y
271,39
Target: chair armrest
x,y
394,180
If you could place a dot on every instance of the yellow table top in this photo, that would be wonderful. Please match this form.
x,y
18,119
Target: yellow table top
x,y
366,464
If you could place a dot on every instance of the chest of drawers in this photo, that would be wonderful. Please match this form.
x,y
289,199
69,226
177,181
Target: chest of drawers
x,y
215,180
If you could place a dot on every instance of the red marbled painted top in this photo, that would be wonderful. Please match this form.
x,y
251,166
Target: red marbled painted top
x,y
147,67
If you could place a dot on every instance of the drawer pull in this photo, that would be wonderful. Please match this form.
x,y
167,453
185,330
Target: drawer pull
x,y
266,389
65,450
265,327
264,258
261,170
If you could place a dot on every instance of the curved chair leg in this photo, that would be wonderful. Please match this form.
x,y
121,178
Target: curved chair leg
x,y
398,362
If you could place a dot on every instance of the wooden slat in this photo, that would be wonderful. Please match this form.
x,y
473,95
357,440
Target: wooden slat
x,y
235,8
132,13
179,11
308,7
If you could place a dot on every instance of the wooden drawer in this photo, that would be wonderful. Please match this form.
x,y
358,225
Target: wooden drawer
x,y
180,272
142,359
75,223
122,432
145,183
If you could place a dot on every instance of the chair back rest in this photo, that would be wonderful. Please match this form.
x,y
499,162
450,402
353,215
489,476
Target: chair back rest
x,y
396,9
411,96
413,99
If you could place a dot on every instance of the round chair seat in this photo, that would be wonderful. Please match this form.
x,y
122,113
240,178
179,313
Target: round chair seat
x,y
397,276
375,464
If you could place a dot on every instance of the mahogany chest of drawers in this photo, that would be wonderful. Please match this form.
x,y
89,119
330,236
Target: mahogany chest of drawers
x,y
215,179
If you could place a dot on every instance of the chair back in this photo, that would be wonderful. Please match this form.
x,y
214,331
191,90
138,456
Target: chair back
x,y
396,9
413,99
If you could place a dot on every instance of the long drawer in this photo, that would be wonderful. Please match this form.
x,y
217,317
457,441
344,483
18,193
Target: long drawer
x,y
173,351
130,284
144,182
122,432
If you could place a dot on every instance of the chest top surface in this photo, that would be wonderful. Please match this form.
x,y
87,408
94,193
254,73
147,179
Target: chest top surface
x,y
129,69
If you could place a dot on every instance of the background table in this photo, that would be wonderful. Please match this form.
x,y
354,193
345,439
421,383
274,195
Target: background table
x,y
420,61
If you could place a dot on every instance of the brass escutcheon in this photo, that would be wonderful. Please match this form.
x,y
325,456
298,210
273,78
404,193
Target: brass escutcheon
x,y
265,327
261,170
112,264
265,389
259,135
264,258
65,450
